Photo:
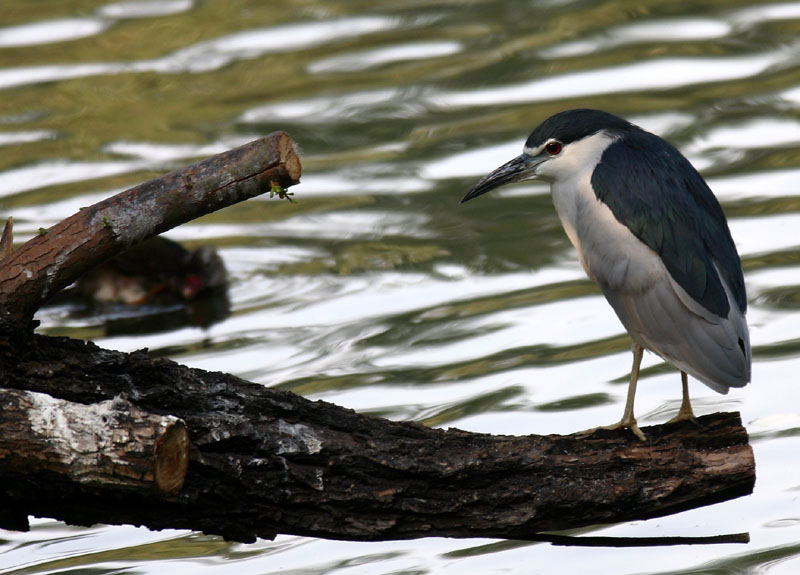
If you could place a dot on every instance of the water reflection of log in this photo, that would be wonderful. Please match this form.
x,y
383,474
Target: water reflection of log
x,y
263,462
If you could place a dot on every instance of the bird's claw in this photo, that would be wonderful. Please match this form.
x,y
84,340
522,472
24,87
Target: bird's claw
x,y
626,424
684,415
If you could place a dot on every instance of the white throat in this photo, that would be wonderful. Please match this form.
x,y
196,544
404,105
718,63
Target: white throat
x,y
570,176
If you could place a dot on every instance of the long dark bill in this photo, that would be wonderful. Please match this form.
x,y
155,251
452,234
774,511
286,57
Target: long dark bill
x,y
513,171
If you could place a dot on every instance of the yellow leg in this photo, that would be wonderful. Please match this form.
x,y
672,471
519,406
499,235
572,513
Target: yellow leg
x,y
628,421
685,413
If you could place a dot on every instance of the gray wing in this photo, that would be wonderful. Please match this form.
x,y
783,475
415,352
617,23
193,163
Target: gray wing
x,y
658,312
683,296
664,319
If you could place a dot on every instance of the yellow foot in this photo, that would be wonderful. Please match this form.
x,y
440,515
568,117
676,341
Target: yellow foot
x,y
631,424
684,415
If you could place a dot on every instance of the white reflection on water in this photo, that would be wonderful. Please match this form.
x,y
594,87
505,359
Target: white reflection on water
x,y
357,107
758,14
657,74
674,30
385,55
792,95
754,133
751,239
475,162
21,76
145,8
353,183
156,153
9,138
56,172
561,323
51,31
768,184
664,123
658,31
348,225
250,44
333,301
210,55
303,309
50,542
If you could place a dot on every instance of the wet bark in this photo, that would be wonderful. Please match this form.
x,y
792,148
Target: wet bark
x,y
265,462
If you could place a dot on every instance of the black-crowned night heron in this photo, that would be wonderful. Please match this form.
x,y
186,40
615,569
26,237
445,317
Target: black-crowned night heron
x,y
650,232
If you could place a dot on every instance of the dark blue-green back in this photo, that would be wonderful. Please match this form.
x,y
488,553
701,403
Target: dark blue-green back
x,y
653,190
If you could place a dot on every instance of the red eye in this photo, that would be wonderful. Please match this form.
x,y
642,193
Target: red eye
x,y
553,148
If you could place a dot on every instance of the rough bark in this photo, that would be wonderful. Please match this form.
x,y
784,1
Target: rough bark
x,y
108,444
266,462
55,258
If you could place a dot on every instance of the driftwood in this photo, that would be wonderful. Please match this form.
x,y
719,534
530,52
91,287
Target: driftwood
x,y
262,461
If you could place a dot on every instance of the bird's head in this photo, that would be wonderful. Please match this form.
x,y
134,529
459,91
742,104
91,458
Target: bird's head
x,y
559,147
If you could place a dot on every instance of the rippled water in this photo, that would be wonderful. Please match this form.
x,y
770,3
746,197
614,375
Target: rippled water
x,y
376,290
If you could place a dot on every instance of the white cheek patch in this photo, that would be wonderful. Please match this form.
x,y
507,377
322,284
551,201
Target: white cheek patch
x,y
579,158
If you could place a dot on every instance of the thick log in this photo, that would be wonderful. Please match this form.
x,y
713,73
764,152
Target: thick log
x,y
266,462
59,255
106,445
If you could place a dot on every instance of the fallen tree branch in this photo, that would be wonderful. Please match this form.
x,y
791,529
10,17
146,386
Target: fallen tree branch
x,y
58,256
268,462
